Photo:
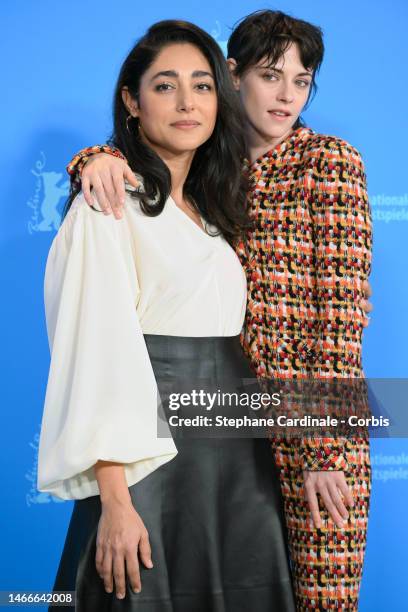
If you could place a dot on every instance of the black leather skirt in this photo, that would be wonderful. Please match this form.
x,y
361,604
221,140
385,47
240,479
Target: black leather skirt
x,y
214,513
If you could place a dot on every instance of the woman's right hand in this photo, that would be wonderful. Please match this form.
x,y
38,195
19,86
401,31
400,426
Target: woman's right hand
x,y
106,175
121,535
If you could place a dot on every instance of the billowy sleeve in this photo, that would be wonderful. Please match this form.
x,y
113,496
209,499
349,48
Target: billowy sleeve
x,y
101,398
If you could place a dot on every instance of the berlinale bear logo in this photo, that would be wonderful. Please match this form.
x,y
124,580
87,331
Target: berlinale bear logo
x,y
44,203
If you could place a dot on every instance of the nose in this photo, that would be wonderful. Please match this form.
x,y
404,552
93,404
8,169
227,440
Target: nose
x,y
285,93
185,100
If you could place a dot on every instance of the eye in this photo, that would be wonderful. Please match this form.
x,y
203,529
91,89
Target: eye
x,y
270,76
302,83
164,87
204,86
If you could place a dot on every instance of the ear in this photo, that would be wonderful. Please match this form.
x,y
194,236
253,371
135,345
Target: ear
x,y
130,103
232,64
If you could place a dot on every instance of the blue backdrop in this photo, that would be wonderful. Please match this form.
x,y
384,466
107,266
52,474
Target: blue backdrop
x,y
60,62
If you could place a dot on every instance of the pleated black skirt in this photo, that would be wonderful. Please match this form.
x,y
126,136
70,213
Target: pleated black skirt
x,y
214,513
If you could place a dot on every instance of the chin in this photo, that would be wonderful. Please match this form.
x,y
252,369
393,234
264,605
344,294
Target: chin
x,y
188,143
277,131
178,148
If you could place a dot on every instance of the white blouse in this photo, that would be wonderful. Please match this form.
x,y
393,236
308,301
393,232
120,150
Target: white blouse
x,y
108,282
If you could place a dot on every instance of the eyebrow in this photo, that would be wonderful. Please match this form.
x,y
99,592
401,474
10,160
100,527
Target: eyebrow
x,y
173,73
281,71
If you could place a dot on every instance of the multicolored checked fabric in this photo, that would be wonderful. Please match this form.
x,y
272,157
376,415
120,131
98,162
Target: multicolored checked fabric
x,y
306,259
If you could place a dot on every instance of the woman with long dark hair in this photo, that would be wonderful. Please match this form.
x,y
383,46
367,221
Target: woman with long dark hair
x,y
162,520
307,257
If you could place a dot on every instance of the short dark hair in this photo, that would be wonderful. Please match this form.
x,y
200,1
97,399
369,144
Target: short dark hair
x,y
268,34
215,182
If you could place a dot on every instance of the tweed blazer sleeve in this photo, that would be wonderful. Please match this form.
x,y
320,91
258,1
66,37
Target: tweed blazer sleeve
x,y
342,225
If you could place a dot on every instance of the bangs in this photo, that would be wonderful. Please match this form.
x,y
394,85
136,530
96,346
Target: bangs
x,y
269,34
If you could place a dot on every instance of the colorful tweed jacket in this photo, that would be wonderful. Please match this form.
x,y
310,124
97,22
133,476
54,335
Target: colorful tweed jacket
x,y
306,259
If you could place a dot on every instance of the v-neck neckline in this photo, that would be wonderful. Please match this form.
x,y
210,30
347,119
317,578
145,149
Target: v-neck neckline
x,y
200,229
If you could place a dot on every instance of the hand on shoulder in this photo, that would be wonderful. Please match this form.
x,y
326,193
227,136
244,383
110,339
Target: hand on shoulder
x,y
106,176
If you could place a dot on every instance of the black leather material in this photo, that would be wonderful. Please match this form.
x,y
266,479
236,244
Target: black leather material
x,y
214,512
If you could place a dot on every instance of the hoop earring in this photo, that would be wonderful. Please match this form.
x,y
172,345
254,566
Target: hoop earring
x,y
127,122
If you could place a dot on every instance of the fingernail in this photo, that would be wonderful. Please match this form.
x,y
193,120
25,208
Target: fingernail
x,y
149,564
121,595
137,590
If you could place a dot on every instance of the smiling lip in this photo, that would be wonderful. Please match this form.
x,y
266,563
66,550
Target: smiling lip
x,y
282,117
185,125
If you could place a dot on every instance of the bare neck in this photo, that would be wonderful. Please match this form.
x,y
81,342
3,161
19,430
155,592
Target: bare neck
x,y
179,167
259,144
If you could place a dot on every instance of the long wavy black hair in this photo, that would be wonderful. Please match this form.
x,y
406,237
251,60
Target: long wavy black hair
x,y
215,183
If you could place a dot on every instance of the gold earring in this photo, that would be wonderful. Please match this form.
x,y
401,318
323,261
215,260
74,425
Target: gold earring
x,y
127,122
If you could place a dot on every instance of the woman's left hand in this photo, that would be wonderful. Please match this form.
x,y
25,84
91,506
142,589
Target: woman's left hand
x,y
334,491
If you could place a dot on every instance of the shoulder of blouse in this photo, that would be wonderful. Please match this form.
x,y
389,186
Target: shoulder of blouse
x,y
82,219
